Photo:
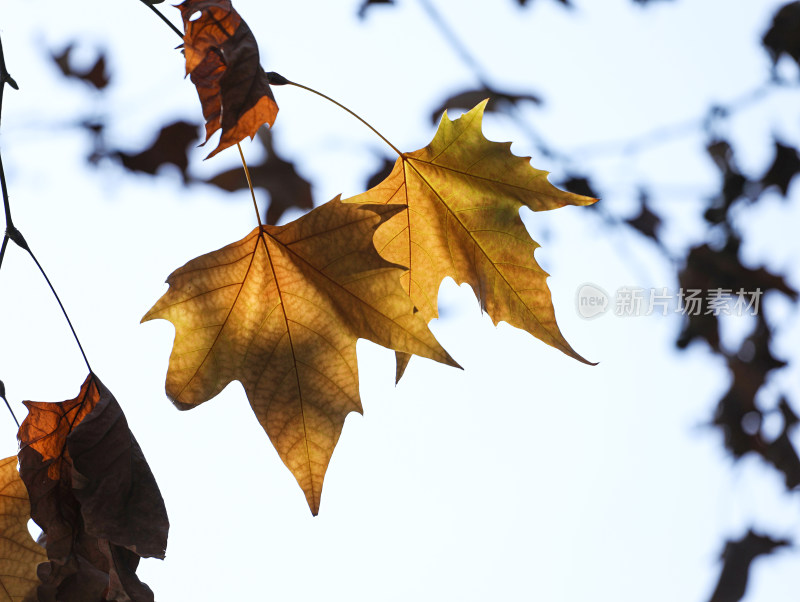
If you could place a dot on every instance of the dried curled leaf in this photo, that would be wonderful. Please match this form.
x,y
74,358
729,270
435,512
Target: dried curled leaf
x,y
19,553
93,495
462,194
223,63
281,311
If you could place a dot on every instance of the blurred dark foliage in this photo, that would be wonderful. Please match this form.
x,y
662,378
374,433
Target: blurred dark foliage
x,y
469,98
381,173
277,176
95,76
646,222
782,36
171,146
579,184
737,557
784,168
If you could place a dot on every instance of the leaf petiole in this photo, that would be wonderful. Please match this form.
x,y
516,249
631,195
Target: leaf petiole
x,y
277,79
250,185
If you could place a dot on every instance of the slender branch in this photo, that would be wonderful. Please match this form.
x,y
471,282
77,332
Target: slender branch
x,y
278,80
3,249
5,77
8,405
163,18
250,185
61,305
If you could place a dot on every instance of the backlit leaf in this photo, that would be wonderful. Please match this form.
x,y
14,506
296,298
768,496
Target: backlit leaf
x,y
281,311
462,194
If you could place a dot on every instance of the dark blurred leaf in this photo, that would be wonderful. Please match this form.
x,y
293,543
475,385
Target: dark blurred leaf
x,y
578,185
2,390
709,269
277,176
362,11
784,167
92,493
381,174
646,222
737,557
96,130
170,147
783,36
498,101
95,76
749,369
734,184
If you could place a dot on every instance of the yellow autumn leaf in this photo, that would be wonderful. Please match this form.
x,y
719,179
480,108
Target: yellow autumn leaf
x,y
281,311
462,194
19,553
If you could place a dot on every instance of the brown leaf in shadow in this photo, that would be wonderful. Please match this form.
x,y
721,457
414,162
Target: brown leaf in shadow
x,y
93,495
223,62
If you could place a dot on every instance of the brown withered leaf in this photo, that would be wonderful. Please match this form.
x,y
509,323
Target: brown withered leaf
x,y
274,174
95,75
461,196
93,495
171,146
19,553
281,311
223,63
469,98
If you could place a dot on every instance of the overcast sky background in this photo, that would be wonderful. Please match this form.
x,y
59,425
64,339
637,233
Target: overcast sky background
x,y
527,476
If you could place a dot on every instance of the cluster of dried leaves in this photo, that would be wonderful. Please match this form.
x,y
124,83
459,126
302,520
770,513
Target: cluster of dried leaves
x,y
280,311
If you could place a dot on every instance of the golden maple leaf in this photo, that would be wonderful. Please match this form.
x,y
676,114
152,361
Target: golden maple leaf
x,y
19,553
462,194
281,311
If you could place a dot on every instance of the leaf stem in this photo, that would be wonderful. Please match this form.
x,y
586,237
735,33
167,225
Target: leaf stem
x,y
163,18
61,305
250,185
276,79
